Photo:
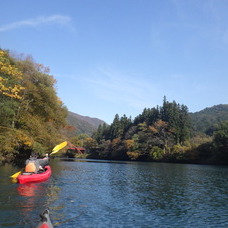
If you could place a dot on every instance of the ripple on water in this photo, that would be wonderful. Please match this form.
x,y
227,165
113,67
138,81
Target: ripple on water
x,y
91,194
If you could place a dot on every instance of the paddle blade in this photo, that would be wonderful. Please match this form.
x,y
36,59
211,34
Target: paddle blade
x,y
58,147
16,175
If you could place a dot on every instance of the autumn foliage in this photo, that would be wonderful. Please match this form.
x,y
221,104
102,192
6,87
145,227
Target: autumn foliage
x,y
161,134
10,77
31,114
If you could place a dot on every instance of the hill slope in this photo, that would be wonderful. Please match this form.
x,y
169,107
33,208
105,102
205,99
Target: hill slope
x,y
201,121
82,124
208,117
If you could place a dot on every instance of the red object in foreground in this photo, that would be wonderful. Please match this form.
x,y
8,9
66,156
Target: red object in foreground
x,y
45,220
44,226
28,178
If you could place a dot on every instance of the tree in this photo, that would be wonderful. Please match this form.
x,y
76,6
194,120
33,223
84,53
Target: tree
x,y
162,134
184,124
28,105
158,127
10,89
115,128
156,153
178,118
102,133
10,77
89,143
220,141
41,112
125,124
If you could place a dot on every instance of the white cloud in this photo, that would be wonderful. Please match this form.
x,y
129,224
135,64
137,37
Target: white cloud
x,y
119,88
34,22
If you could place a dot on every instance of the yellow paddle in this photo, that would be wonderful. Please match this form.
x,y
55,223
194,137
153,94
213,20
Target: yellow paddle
x,y
58,147
55,150
16,174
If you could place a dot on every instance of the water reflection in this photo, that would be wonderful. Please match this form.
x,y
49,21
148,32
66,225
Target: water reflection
x,y
30,190
21,204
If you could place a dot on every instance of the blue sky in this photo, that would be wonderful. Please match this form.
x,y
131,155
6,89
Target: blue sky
x,y
121,56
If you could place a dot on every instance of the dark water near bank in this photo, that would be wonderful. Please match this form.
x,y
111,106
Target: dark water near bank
x,y
104,194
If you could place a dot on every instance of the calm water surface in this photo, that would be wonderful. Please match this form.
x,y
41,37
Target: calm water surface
x,y
117,194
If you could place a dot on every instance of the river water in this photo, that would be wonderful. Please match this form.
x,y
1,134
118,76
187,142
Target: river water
x,y
89,193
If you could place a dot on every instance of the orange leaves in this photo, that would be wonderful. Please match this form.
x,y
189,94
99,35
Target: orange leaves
x,y
159,126
133,155
129,143
153,129
69,128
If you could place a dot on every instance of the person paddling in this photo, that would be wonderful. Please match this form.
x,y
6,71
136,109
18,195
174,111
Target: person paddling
x,y
35,165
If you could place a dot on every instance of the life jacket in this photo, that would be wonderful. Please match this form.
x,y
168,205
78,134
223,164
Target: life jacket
x,y
30,167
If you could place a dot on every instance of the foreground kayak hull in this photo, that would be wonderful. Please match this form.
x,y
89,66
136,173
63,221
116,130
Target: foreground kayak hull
x,y
45,220
39,177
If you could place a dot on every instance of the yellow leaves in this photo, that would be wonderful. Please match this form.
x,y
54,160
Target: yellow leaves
x,y
6,68
2,53
89,143
26,141
153,129
10,70
179,149
129,143
12,141
142,126
59,101
158,126
161,124
10,77
12,92
133,155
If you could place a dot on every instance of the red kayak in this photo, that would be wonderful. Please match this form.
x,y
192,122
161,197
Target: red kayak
x,y
35,177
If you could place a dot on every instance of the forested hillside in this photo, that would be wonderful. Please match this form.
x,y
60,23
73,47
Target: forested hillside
x,y
205,120
31,113
167,133
82,124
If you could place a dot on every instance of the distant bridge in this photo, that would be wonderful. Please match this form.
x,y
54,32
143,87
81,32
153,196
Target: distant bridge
x,y
76,149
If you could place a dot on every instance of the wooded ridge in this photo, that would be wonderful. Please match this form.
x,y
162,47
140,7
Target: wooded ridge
x,y
167,133
82,124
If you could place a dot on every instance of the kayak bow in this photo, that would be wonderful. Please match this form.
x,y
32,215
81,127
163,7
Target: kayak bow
x,y
45,221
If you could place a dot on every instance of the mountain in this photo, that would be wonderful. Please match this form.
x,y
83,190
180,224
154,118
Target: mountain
x,y
206,119
82,124
202,121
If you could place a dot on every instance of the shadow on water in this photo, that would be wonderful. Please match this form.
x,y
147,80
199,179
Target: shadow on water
x,y
96,161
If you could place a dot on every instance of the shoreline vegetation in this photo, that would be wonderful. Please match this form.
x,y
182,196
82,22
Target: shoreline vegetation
x,y
34,119
162,134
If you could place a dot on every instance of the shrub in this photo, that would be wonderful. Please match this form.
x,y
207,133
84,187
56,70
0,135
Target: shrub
x,y
156,153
